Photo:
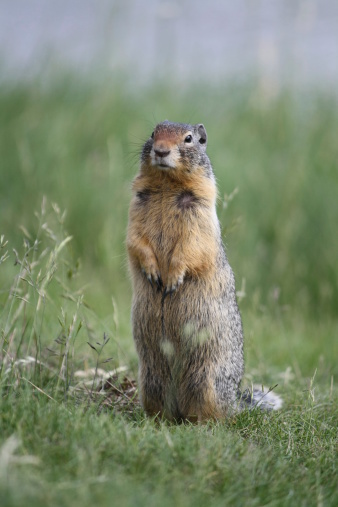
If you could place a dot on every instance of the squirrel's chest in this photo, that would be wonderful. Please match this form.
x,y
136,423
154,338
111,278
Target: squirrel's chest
x,y
166,215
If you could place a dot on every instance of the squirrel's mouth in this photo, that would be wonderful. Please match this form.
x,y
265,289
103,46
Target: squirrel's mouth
x,y
164,163
161,164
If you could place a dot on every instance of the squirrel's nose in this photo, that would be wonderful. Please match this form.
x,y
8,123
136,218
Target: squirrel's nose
x,y
162,153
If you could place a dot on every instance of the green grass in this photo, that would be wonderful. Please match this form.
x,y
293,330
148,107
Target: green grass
x,y
64,282
283,459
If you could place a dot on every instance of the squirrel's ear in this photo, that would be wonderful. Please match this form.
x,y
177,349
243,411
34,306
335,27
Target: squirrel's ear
x,y
202,133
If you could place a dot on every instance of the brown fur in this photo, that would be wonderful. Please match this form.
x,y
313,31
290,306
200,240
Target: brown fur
x,y
186,323
187,247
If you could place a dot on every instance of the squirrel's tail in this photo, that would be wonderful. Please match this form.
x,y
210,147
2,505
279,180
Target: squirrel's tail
x,y
261,397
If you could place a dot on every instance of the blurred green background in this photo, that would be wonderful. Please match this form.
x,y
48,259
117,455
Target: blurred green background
x,y
260,76
275,159
82,84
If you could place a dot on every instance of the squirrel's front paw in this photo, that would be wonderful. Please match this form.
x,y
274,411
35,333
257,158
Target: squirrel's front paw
x,y
173,284
153,275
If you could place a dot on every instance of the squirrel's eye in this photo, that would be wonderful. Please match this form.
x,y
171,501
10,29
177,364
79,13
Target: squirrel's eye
x,y
188,139
152,135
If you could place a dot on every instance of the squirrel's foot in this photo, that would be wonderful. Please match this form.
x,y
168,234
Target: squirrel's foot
x,y
153,276
173,284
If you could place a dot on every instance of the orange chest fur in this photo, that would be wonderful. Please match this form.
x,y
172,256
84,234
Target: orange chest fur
x,y
175,219
167,216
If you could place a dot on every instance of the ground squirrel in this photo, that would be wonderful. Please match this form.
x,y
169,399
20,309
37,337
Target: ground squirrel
x,y
186,323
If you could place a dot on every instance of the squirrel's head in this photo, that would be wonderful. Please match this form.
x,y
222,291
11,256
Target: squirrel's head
x,y
176,148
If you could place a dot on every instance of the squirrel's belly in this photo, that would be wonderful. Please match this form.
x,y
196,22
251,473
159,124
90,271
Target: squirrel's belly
x,y
197,300
192,323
